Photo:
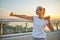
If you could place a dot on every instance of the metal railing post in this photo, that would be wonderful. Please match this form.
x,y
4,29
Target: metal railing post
x,y
1,28
26,26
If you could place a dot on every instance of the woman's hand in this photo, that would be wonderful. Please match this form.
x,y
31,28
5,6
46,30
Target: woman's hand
x,y
48,18
11,14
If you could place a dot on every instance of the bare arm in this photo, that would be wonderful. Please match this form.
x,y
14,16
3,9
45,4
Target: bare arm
x,y
49,25
22,16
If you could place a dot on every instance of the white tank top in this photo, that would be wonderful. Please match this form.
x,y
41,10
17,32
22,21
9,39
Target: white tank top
x,y
38,27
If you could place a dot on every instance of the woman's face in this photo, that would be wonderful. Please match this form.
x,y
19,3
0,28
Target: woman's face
x,y
39,12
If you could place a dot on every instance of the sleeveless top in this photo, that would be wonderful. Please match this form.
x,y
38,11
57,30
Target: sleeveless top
x,y
38,27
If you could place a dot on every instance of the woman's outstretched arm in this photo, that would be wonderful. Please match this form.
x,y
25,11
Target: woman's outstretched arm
x,y
22,16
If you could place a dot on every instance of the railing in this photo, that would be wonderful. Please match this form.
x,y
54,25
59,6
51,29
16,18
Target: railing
x,y
22,36
2,21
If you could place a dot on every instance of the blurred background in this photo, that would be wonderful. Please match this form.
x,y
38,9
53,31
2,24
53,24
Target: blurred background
x,y
14,25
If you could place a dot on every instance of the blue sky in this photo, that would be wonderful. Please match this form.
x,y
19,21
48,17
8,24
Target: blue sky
x,y
28,7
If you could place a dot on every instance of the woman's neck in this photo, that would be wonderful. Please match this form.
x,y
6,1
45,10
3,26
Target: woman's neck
x,y
41,16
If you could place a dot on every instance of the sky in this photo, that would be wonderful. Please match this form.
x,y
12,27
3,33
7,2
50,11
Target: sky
x,y
28,7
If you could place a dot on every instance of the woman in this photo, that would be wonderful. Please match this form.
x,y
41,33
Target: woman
x,y
39,23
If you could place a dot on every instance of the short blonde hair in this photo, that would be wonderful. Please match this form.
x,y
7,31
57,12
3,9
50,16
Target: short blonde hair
x,y
39,7
43,10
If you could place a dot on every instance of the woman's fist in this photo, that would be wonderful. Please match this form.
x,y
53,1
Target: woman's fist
x,y
11,14
48,18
